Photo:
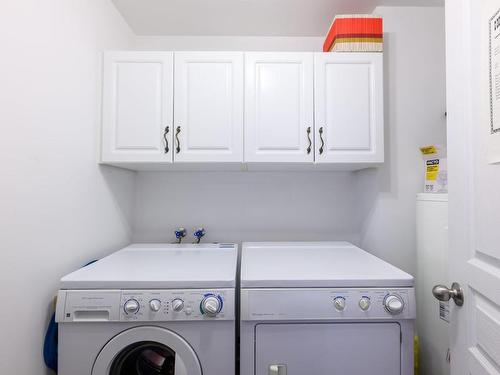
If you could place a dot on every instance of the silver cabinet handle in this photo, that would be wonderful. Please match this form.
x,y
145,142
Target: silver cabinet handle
x,y
322,142
456,293
167,129
309,139
177,131
277,370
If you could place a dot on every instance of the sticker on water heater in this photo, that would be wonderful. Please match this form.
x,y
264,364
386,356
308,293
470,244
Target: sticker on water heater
x,y
444,311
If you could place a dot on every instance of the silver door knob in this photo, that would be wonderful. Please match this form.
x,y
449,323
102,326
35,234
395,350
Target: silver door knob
x,y
443,293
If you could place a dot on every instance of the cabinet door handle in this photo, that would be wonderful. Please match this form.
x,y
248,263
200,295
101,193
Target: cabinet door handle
x,y
177,131
322,142
167,129
309,139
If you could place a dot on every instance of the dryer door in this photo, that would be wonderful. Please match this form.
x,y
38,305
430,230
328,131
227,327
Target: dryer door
x,y
328,349
146,351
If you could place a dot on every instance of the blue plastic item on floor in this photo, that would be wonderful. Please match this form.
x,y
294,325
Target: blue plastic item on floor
x,y
50,342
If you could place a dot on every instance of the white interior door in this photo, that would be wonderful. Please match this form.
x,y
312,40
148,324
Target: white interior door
x,y
348,97
279,107
137,107
474,200
208,107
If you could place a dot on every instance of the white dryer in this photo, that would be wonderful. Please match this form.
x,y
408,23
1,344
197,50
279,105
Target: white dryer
x,y
324,308
150,309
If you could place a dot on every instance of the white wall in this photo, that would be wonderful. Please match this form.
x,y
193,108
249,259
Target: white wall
x,y
414,112
246,206
58,208
229,43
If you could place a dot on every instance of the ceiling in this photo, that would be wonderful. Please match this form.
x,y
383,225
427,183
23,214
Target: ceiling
x,y
245,17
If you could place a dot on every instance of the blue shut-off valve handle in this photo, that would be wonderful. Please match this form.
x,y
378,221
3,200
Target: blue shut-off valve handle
x,y
180,233
199,233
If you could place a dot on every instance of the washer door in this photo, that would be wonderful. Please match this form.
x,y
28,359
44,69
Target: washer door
x,y
147,351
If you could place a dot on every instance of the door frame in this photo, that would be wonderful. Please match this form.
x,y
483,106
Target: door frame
x,y
458,84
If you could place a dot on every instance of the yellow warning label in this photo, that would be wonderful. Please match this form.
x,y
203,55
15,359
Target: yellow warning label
x,y
432,172
428,150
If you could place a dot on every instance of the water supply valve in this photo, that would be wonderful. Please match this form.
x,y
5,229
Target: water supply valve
x,y
199,233
180,233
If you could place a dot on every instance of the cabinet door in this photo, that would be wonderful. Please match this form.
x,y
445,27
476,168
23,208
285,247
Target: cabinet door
x,y
349,107
208,107
137,107
279,107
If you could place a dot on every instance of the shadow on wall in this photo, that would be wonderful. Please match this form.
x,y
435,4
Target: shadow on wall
x,y
387,194
373,182
121,184
387,224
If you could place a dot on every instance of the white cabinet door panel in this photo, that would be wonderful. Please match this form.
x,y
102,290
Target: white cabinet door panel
x,y
278,107
350,125
349,107
137,107
208,107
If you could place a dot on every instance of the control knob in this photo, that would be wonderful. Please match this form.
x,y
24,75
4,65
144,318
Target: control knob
x,y
211,305
364,303
131,306
394,304
177,305
155,305
339,303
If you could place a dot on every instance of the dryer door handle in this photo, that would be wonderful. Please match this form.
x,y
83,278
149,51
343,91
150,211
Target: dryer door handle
x,y
277,370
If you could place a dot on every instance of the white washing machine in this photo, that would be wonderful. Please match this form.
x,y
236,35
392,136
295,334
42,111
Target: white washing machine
x,y
324,308
150,309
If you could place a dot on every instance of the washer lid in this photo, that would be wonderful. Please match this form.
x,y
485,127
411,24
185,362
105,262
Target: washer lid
x,y
154,266
316,265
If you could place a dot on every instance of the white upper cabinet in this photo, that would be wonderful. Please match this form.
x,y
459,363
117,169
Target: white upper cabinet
x,y
163,110
279,122
349,116
208,125
137,107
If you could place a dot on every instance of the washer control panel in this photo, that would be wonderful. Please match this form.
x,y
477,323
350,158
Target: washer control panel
x,y
144,305
328,304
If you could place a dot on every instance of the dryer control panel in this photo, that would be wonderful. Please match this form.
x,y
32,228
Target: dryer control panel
x,y
144,305
328,304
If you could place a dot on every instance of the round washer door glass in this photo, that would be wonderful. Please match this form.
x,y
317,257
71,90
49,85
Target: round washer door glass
x,y
144,358
147,351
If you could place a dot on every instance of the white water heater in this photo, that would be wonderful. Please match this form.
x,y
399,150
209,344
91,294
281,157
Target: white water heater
x,y
432,269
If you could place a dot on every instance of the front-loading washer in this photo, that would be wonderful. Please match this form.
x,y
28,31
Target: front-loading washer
x,y
150,309
323,308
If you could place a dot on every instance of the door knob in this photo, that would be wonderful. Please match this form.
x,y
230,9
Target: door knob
x,y
443,293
